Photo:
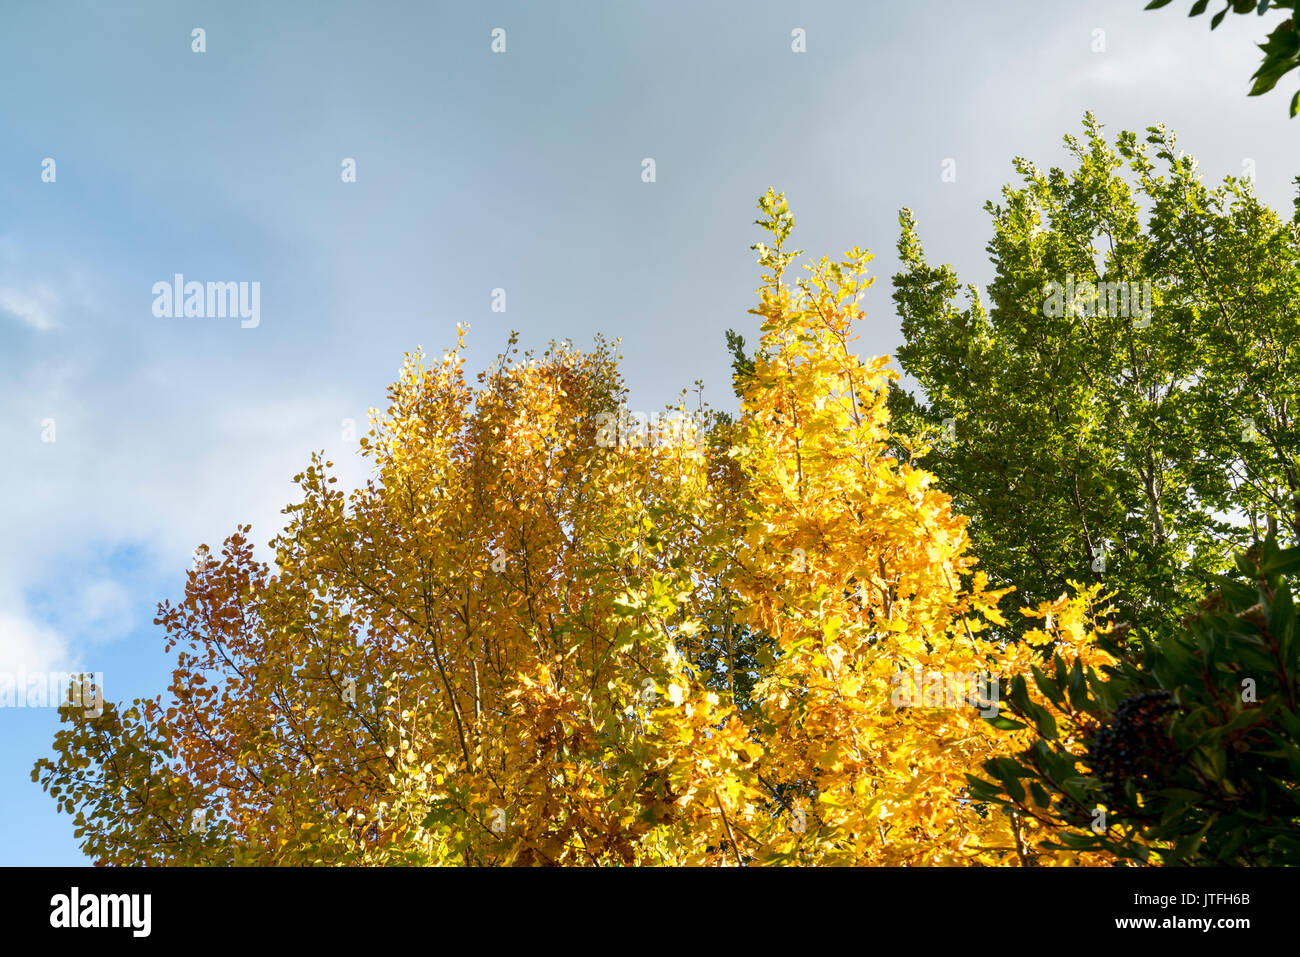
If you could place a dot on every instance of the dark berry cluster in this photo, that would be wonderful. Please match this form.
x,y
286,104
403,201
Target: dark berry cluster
x,y
1134,744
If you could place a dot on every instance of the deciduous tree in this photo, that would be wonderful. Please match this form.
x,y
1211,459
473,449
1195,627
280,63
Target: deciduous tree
x,y
1122,406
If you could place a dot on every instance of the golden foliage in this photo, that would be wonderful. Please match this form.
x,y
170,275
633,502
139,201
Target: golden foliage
x,y
493,652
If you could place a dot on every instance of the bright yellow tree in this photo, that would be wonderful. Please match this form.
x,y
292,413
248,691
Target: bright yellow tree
x,y
860,571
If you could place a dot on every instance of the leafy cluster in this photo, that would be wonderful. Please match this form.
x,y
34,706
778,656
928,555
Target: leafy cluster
x,y
1187,749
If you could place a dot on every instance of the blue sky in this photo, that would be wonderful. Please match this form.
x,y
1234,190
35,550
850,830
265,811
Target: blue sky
x,y
475,171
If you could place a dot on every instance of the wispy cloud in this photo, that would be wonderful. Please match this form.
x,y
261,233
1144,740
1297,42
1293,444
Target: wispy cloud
x,y
35,306
26,645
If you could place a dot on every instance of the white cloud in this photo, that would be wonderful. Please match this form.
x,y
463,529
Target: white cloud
x,y
34,306
31,647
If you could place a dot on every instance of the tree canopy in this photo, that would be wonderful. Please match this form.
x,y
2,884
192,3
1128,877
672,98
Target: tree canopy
x,y
519,641
547,632
1141,432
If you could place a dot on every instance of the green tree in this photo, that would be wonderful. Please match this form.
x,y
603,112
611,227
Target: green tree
x,y
1122,409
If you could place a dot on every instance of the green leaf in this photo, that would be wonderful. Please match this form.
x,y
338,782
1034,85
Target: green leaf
x,y
1007,771
1046,723
1181,794
1018,692
1186,847
1287,561
1005,724
1076,841
982,790
1077,688
1049,690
